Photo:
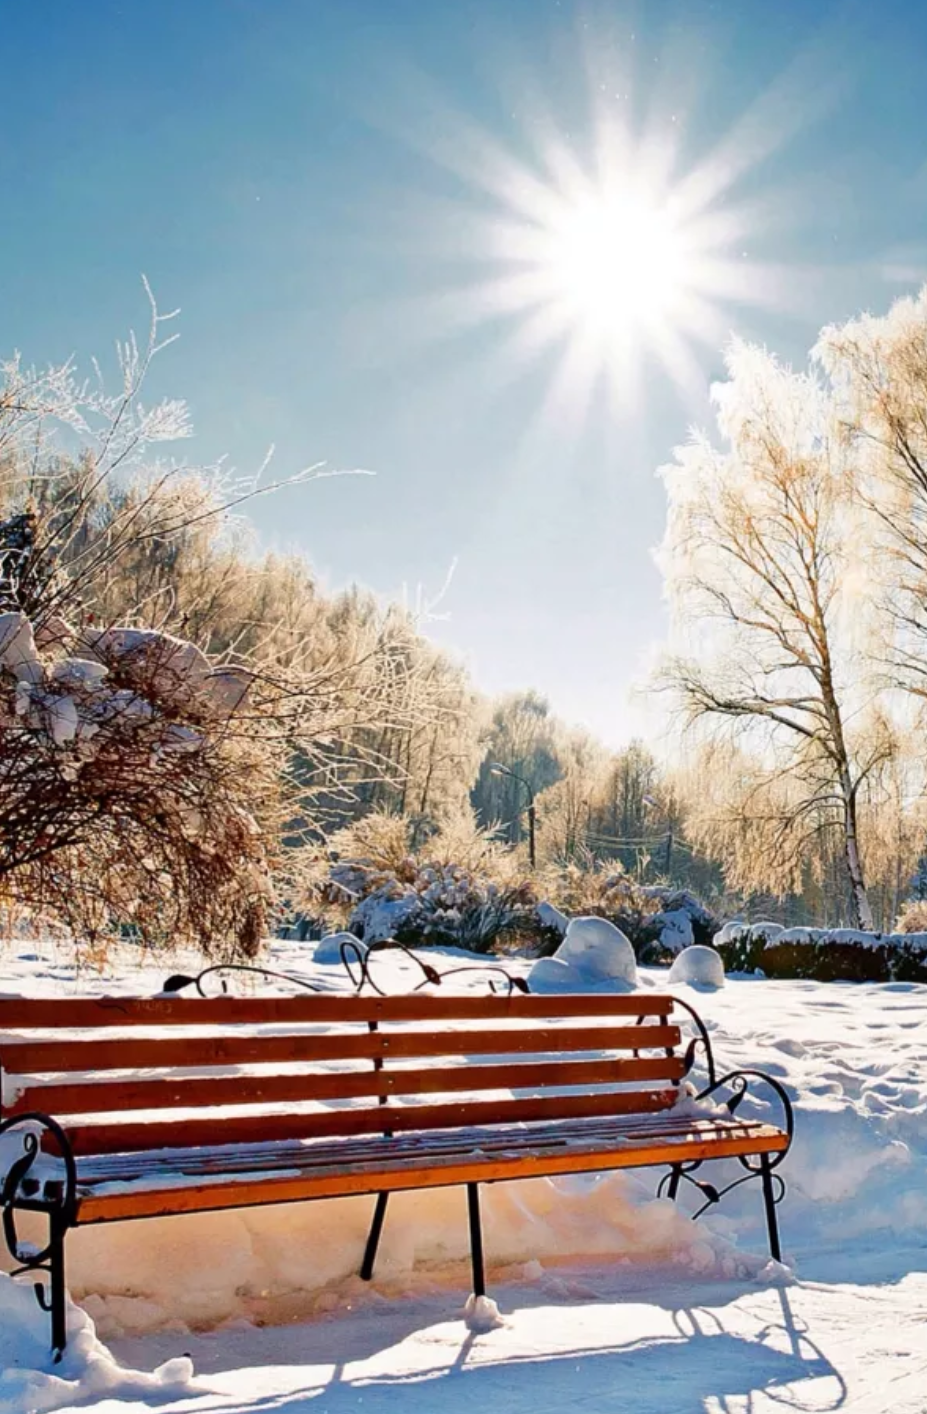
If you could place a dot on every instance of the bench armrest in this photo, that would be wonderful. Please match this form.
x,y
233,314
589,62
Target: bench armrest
x,y
737,1083
21,1188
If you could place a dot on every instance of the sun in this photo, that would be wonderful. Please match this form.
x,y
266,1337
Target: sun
x,y
614,270
616,260
606,257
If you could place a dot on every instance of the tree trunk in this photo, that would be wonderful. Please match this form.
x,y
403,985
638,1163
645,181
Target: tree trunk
x,y
864,918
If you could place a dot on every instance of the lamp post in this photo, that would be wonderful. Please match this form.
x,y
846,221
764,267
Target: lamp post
x,y
497,769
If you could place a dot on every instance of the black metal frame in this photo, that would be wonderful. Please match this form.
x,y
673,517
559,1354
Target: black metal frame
x,y
737,1082
179,980
55,1199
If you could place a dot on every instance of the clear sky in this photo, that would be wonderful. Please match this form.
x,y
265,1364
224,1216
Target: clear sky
x,y
401,238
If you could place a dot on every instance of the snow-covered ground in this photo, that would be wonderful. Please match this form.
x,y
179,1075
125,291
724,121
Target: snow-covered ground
x,y
612,1300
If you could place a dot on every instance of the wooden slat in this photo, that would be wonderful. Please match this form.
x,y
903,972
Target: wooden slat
x,y
604,1132
138,1053
85,1012
100,1138
116,1096
429,1172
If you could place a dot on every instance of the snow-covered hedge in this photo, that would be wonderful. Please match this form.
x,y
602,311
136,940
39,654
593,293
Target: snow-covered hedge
x,y
825,954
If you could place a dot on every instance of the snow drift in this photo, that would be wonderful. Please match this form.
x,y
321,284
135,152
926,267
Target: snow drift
x,y
88,1371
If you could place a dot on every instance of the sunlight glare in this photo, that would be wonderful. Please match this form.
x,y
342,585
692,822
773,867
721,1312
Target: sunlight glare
x,y
617,260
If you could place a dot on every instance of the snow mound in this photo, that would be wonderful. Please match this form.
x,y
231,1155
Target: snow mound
x,y
593,952
699,966
549,974
328,949
33,1384
481,1314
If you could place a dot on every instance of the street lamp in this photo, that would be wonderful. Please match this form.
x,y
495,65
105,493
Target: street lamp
x,y
497,769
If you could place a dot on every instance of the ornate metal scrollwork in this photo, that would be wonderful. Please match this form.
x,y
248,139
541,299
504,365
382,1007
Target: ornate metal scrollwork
x,y
700,1040
180,980
355,958
738,1082
762,1165
55,1197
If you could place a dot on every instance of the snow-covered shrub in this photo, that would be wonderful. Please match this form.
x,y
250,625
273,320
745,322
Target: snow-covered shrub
x,y
826,955
382,889
657,920
676,931
462,886
448,905
328,949
125,797
742,945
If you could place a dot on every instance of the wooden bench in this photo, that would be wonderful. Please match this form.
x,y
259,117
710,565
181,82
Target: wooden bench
x,y
120,1108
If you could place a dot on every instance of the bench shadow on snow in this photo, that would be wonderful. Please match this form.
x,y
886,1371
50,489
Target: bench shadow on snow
x,y
678,1373
654,1376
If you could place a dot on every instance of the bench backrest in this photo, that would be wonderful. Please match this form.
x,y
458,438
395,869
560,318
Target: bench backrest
x,y
126,1074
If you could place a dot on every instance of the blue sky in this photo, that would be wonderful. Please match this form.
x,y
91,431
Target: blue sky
x,y
304,178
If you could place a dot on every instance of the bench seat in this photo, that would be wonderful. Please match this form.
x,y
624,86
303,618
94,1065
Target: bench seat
x,y
204,1179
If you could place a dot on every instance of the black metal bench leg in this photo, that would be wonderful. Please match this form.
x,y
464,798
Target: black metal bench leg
x,y
373,1237
57,1295
672,1187
770,1202
476,1239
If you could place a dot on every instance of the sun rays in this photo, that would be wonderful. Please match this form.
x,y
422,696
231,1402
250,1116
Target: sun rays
x,y
598,253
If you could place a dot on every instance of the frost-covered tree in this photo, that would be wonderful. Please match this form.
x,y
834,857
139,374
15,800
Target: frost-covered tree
x,y
764,559
567,806
171,710
877,366
524,735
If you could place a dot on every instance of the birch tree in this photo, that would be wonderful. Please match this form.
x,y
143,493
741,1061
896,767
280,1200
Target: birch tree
x,y
877,366
760,558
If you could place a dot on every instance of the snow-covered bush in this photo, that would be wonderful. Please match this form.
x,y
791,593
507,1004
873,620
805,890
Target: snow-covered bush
x,y
658,920
125,790
461,888
912,917
824,954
